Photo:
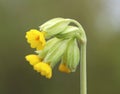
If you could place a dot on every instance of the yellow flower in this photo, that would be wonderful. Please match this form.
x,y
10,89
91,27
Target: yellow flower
x,y
36,39
33,59
44,69
64,68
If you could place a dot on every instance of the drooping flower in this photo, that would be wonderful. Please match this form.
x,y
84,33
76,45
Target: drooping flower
x,y
44,69
36,39
61,45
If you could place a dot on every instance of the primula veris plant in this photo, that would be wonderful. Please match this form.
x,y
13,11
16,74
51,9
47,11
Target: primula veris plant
x,y
57,41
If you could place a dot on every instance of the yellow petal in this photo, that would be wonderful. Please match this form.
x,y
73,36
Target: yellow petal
x,y
33,59
36,39
64,68
44,69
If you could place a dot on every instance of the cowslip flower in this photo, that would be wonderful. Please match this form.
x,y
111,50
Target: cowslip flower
x,y
44,69
36,39
58,43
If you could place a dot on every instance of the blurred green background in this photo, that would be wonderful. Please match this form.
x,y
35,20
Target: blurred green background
x,y
101,21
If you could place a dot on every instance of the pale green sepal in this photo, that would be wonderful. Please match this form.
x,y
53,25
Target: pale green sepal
x,y
50,22
69,32
72,55
54,27
54,55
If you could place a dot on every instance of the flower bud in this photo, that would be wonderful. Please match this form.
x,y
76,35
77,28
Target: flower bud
x,y
72,55
54,26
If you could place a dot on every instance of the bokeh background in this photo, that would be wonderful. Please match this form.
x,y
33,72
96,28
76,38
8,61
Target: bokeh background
x,y
101,21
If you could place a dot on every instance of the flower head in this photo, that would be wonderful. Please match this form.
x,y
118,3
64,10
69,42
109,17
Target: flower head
x,y
36,39
33,59
61,45
44,69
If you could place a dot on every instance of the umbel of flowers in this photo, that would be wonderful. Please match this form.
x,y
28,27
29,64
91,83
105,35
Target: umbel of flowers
x,y
57,41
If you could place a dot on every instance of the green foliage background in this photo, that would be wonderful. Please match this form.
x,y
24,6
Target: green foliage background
x,y
103,50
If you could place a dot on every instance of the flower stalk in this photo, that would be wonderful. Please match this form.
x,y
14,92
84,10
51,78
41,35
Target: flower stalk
x,y
83,71
83,67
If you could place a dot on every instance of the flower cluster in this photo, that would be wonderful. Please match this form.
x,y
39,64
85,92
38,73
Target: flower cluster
x,y
56,41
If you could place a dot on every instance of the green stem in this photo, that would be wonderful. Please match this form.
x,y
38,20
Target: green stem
x,y
83,72
82,35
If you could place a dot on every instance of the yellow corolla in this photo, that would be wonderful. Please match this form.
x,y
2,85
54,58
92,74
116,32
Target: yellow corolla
x,y
44,69
32,59
36,39
64,68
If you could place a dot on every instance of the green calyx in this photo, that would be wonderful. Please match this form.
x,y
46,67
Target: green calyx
x,y
54,26
49,46
69,32
55,53
71,56
59,27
